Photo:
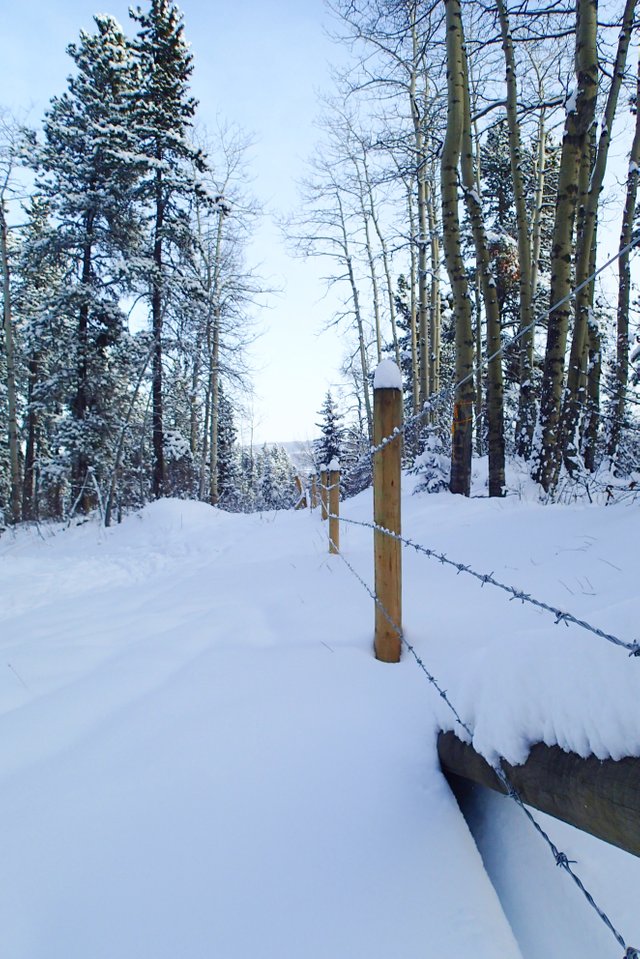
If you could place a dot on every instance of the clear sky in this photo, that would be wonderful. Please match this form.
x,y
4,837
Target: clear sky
x,y
258,64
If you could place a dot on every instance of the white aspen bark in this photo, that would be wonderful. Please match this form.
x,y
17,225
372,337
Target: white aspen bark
x,y
374,278
526,402
214,368
385,258
415,356
618,405
575,395
362,347
14,450
421,182
434,297
462,430
536,226
578,122
495,411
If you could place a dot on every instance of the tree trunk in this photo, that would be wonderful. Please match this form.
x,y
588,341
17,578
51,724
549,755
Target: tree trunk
x,y
434,297
526,400
592,415
214,369
362,346
14,450
462,430
421,182
621,369
495,410
157,426
415,355
385,260
29,511
575,392
579,119
214,393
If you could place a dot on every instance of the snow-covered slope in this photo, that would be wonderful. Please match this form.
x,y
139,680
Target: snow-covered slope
x,y
199,756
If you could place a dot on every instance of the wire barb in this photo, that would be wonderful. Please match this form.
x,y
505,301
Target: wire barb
x,y
513,592
510,790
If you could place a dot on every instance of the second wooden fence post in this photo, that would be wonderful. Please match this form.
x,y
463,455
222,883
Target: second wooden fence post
x,y
324,480
387,418
334,506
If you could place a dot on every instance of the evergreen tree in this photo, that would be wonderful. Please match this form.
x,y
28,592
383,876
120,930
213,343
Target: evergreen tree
x,y
229,477
164,114
45,337
330,446
86,175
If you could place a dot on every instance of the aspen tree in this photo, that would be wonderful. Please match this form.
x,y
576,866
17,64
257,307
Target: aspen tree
x,y
617,409
593,176
463,406
526,404
495,412
580,110
8,155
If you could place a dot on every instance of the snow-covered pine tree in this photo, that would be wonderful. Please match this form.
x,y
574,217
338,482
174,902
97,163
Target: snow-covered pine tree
x,y
164,113
85,173
330,445
228,454
44,337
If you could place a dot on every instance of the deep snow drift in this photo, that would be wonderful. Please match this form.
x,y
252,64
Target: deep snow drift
x,y
199,756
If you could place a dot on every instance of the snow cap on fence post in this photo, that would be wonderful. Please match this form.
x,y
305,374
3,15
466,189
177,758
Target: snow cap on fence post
x,y
387,423
334,506
387,376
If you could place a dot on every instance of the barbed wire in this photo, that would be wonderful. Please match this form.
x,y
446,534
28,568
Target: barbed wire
x,y
511,792
561,616
448,392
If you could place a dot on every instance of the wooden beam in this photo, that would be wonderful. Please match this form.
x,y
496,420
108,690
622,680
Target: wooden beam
x,y
599,797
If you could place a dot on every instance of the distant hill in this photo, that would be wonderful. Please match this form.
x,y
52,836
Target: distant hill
x,y
300,453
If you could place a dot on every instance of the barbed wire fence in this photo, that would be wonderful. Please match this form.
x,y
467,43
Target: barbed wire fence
x,y
560,857
561,616
372,456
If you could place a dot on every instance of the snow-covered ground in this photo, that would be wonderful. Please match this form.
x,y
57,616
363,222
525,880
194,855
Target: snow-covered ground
x,y
199,756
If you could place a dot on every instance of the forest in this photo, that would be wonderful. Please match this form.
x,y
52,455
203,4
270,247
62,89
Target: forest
x,y
474,161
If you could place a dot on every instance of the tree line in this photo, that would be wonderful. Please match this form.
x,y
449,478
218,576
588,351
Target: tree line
x,y
127,298
458,194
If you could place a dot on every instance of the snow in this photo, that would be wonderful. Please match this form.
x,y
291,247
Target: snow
x,y
200,757
387,376
571,106
334,465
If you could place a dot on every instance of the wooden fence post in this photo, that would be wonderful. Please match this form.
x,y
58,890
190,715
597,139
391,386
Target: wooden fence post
x,y
302,495
387,417
314,492
324,479
334,506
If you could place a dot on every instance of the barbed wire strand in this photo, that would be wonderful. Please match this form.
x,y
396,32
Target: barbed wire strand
x,y
560,857
560,615
448,392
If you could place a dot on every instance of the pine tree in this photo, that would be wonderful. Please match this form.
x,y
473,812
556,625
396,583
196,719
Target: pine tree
x,y
86,174
330,446
164,115
228,459
45,337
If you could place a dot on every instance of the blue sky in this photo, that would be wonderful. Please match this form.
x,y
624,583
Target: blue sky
x,y
258,63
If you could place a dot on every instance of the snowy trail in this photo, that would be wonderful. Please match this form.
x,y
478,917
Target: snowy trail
x,y
192,772
199,756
